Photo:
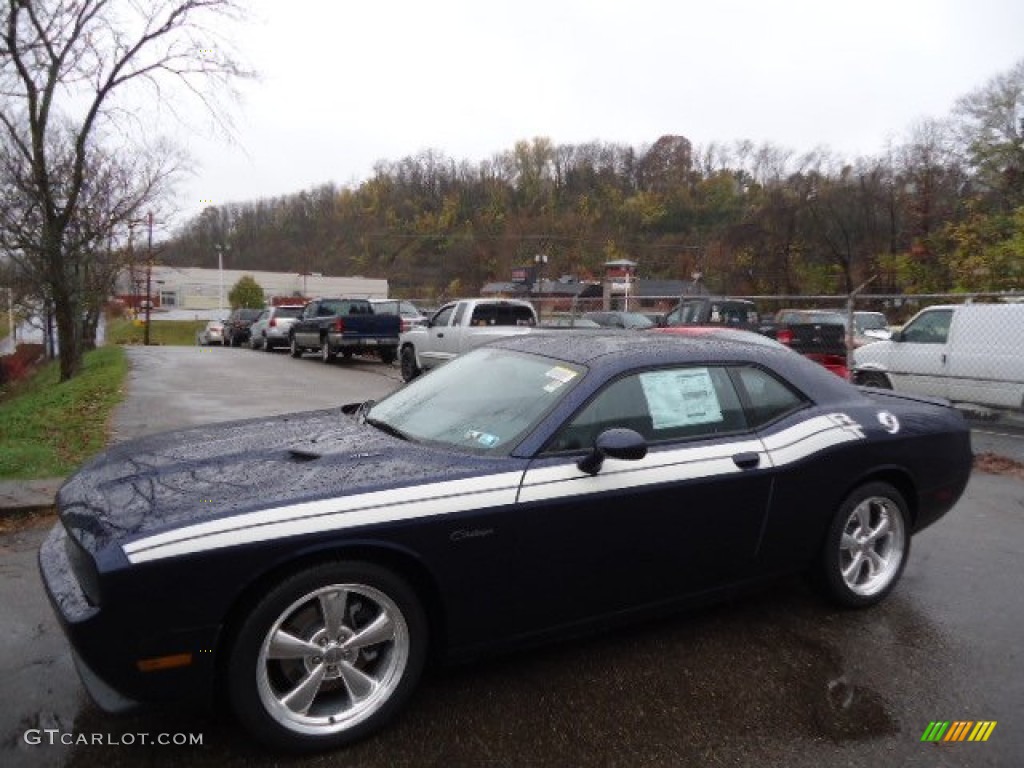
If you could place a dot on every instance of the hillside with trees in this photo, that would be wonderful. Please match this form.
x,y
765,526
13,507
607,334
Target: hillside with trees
x,y
941,210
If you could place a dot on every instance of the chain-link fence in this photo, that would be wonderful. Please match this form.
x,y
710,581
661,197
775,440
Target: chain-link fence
x,y
962,348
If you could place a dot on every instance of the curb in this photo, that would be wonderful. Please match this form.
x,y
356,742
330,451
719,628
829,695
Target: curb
x,y
27,497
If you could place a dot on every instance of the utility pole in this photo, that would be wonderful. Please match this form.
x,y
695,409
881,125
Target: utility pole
x,y
149,278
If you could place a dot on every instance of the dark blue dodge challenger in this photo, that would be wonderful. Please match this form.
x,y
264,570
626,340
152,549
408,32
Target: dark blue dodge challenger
x,y
534,487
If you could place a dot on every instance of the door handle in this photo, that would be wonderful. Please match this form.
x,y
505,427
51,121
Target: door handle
x,y
747,460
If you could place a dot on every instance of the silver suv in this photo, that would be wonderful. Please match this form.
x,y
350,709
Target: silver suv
x,y
270,329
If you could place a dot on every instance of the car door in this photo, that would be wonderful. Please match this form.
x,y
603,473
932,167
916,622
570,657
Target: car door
x,y
685,518
441,343
919,356
306,330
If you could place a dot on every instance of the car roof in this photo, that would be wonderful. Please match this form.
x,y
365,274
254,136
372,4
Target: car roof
x,y
610,352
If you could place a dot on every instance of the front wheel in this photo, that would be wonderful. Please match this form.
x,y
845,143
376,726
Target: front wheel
x,y
410,370
867,546
296,351
327,656
875,379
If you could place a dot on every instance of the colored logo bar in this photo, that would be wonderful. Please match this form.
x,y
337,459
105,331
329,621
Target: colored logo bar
x,y
958,730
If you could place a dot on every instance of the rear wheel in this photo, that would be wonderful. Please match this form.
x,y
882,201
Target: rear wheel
x,y
867,546
327,656
410,370
295,350
326,353
387,355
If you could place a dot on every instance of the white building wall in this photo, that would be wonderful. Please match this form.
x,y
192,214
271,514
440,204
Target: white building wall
x,y
196,288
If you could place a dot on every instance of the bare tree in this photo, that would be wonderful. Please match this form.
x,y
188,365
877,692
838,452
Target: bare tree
x,y
71,76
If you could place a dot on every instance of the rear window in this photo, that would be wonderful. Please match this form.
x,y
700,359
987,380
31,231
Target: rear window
x,y
288,312
502,314
345,307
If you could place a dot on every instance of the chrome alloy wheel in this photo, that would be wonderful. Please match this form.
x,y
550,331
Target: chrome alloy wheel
x,y
872,546
332,659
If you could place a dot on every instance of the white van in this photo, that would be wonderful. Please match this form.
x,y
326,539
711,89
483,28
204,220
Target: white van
x,y
972,353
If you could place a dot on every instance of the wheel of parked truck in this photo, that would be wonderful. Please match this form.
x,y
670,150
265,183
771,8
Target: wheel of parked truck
x,y
875,379
347,354
295,350
266,345
410,370
327,656
387,355
326,353
867,546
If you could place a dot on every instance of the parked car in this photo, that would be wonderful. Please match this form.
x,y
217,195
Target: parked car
x,y
972,353
816,334
213,333
460,326
633,321
237,326
405,309
540,485
270,330
869,327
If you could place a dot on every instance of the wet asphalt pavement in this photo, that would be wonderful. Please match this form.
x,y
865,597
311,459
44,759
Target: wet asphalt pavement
x,y
775,678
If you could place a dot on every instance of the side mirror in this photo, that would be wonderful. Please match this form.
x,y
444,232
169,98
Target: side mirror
x,y
618,443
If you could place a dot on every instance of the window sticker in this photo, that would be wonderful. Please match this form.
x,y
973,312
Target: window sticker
x,y
483,438
559,378
564,375
681,398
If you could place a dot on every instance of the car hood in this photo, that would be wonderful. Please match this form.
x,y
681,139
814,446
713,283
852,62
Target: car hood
x,y
164,481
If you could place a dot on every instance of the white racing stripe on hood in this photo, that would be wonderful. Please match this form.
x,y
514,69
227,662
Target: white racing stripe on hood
x,y
449,497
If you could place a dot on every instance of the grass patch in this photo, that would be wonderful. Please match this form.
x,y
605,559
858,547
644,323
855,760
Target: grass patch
x,y
168,333
47,428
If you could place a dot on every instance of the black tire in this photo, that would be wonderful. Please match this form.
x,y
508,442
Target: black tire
x,y
267,346
875,379
316,660
867,546
407,358
388,355
295,350
326,353
347,354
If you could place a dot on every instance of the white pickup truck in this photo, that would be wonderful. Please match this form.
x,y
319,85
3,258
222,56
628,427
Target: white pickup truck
x,y
458,327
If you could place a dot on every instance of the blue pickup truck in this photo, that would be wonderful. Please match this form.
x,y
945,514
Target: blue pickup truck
x,y
331,327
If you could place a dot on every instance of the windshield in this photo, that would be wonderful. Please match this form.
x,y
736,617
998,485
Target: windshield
x,y
870,322
485,401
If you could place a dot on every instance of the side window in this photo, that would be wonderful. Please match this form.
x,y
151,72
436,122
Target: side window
x,y
662,405
443,316
310,310
929,328
767,397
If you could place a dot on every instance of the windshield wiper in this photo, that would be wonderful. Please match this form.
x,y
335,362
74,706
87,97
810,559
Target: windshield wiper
x,y
383,426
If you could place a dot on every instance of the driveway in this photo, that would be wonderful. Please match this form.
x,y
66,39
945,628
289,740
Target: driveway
x,y
774,678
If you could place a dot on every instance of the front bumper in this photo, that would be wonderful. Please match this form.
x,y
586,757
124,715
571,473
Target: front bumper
x,y
108,646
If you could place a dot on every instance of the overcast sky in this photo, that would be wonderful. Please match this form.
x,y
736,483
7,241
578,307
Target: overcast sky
x,y
345,84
